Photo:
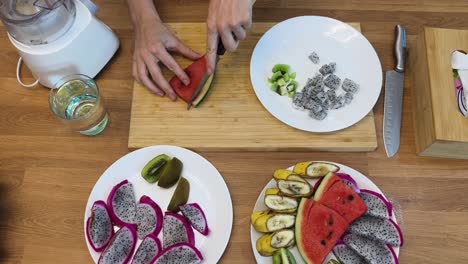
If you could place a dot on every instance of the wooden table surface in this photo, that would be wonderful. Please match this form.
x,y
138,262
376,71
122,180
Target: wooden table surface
x,y
47,171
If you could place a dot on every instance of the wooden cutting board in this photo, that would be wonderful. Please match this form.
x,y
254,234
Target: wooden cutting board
x,y
232,118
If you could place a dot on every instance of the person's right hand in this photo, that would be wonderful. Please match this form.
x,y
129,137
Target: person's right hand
x,y
153,42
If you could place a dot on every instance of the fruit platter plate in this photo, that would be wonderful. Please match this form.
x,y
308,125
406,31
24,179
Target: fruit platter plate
x,y
327,210
139,189
316,74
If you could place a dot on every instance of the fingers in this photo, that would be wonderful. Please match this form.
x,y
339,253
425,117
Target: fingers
x,y
239,32
172,65
230,43
158,78
145,80
185,51
212,46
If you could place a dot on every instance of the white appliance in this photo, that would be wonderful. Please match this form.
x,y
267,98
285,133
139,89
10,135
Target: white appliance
x,y
56,38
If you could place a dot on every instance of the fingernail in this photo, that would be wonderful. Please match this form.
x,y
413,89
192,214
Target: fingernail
x,y
160,94
173,97
186,82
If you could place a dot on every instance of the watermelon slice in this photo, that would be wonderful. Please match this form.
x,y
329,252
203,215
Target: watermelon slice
x,y
324,184
195,71
318,228
340,197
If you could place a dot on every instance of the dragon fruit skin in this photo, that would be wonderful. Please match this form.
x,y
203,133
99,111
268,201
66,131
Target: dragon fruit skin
x,y
346,255
179,253
122,195
196,217
105,226
148,217
149,249
346,178
375,203
374,252
120,249
176,230
382,229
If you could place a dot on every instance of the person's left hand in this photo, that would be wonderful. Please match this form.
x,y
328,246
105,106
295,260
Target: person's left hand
x,y
227,19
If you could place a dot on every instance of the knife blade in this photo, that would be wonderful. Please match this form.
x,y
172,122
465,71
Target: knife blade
x,y
393,102
220,52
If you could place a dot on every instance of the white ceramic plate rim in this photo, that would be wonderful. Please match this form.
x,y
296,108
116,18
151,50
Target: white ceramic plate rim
x,y
213,197
361,179
287,114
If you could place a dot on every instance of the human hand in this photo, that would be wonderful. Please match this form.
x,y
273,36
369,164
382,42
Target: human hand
x,y
228,20
153,44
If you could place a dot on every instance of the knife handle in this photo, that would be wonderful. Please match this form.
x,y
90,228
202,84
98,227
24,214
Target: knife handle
x,y
221,50
400,48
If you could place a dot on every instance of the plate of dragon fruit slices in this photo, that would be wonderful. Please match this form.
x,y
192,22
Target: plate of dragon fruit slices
x,y
302,197
126,220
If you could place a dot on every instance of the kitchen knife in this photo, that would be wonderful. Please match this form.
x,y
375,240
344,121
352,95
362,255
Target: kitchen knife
x,y
393,102
220,52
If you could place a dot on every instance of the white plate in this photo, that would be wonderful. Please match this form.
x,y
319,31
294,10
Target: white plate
x,y
291,42
363,183
207,188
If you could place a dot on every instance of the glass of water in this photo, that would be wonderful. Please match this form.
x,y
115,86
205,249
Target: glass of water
x,y
76,100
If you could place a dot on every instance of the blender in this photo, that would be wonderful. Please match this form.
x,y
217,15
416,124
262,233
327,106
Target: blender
x,y
56,38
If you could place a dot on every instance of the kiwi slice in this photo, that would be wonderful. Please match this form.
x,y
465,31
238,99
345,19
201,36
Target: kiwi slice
x,y
180,196
274,87
283,256
170,173
283,68
276,76
281,82
153,169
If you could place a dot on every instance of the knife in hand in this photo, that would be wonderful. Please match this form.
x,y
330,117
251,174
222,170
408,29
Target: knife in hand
x,y
393,103
220,52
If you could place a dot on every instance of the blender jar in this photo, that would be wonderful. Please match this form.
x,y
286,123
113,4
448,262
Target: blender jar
x,y
37,22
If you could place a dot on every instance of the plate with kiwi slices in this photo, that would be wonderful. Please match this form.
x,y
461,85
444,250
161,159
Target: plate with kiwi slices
x,y
316,74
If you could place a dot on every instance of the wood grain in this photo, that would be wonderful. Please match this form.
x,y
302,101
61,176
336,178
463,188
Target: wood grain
x,y
47,171
441,130
231,118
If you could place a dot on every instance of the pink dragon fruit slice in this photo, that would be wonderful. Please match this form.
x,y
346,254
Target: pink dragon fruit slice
x,y
373,251
179,253
121,247
348,180
148,218
346,255
376,204
122,204
381,229
196,217
149,248
99,230
176,230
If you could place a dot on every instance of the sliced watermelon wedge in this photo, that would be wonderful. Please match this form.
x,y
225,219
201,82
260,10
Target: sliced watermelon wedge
x,y
318,228
338,196
196,72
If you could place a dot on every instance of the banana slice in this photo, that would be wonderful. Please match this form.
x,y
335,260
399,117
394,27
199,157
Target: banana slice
x,y
282,239
314,169
269,243
274,222
272,191
295,177
294,188
256,215
281,204
282,174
